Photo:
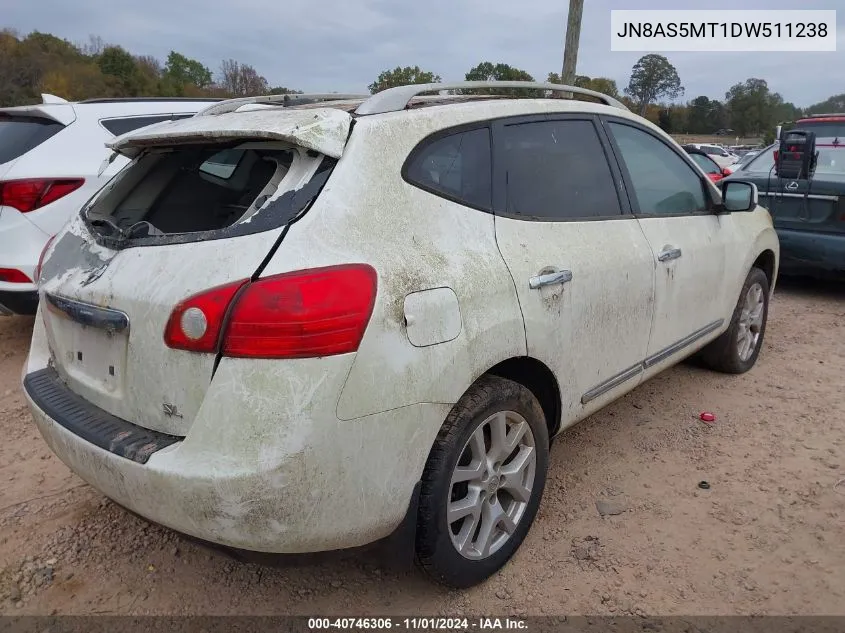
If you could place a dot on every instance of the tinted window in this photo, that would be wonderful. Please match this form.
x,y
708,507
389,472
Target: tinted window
x,y
123,126
705,163
223,164
457,166
557,170
663,183
18,135
823,128
830,161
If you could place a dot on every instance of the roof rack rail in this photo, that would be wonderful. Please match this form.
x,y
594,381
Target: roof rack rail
x,y
148,99
230,105
396,99
819,116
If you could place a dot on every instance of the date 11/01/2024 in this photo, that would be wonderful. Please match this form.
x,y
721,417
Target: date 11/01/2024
x,y
420,624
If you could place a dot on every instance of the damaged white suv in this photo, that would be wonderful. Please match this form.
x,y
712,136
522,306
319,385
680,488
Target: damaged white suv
x,y
299,324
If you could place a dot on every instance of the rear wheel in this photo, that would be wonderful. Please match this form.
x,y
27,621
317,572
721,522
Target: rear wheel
x,y
482,483
736,351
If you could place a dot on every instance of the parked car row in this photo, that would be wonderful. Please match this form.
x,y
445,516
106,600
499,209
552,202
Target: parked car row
x,y
294,328
809,213
51,161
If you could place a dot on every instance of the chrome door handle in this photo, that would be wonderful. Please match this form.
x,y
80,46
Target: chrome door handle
x,y
550,279
669,253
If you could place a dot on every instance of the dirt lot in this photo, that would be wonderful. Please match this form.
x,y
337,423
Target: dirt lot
x,y
768,537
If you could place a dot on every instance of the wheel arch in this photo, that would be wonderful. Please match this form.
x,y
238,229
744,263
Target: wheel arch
x,y
767,262
535,376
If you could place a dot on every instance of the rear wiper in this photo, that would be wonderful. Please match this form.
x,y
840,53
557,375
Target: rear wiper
x,y
114,227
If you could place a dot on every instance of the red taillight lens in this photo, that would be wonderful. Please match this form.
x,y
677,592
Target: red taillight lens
x,y
195,323
302,314
41,258
14,276
28,195
777,153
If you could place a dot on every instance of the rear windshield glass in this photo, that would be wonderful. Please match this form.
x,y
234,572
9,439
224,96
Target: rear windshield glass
x,y
830,161
191,192
18,135
823,128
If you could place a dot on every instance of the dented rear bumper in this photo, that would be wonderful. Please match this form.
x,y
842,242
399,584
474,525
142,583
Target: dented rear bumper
x,y
263,469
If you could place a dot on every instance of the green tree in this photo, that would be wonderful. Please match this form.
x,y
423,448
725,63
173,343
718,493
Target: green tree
x,y
281,90
118,63
603,85
183,70
487,71
754,109
402,77
652,77
834,104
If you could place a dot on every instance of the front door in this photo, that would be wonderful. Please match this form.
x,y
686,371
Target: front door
x,y
581,265
689,242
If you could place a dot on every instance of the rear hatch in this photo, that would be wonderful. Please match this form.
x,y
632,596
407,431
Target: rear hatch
x,y
202,203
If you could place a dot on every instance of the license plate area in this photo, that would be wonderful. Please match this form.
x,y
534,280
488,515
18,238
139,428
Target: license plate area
x,y
89,343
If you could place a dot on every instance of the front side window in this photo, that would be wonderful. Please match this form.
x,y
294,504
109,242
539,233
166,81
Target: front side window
x,y
455,166
663,183
557,170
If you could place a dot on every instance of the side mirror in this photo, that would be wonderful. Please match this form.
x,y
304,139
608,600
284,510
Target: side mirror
x,y
739,196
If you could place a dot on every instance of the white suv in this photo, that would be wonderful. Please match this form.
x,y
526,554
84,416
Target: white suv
x,y
51,155
291,328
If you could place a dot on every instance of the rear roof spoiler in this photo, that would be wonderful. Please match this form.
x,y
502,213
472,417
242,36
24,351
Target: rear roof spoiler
x,y
52,108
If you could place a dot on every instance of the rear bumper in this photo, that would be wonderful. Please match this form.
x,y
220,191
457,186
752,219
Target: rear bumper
x,y
278,484
18,302
811,252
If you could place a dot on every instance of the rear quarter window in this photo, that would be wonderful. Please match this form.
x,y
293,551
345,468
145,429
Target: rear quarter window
x,y
456,166
120,126
19,135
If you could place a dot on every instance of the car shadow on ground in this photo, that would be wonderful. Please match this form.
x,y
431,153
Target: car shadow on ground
x,y
811,287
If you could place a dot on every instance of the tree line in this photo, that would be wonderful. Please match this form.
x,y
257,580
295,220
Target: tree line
x,y
43,63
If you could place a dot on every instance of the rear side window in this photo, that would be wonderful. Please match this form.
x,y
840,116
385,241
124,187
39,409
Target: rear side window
x,y
557,170
18,135
663,183
455,166
130,124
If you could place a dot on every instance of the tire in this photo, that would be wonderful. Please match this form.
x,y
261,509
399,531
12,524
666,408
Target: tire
x,y
726,354
466,441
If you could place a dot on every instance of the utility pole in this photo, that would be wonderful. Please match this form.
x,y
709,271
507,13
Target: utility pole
x,y
573,34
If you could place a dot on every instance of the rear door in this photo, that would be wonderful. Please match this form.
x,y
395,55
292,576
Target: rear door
x,y
690,244
581,265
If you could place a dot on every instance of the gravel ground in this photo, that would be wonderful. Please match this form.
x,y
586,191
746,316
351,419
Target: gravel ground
x,y
768,537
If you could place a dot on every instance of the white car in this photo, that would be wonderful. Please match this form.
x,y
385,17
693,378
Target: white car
x,y
293,329
51,161
721,155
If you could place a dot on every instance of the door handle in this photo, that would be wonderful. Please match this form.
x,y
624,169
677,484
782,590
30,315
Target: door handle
x,y
669,253
550,279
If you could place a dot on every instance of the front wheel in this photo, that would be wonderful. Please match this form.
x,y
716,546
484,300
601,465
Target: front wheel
x,y
736,351
482,483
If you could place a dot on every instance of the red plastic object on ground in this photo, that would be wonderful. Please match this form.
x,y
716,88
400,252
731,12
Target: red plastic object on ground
x,y
707,417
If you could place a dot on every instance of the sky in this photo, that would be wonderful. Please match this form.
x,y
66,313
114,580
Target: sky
x,y
342,45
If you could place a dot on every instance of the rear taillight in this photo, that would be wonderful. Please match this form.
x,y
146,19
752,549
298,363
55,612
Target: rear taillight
x,y
14,276
195,323
28,195
41,258
302,314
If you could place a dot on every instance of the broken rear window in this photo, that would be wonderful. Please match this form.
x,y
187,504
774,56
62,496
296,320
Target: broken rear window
x,y
198,189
